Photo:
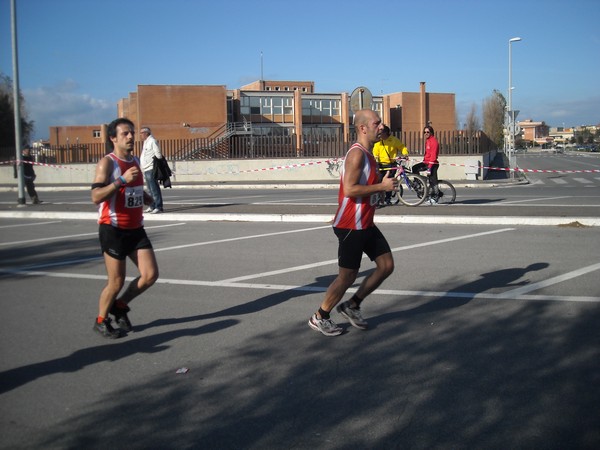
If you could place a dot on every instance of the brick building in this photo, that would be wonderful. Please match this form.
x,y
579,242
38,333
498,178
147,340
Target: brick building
x,y
262,108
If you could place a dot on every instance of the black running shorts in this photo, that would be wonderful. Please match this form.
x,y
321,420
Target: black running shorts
x,y
353,243
120,243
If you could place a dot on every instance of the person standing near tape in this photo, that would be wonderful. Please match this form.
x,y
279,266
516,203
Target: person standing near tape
x,y
29,175
430,162
118,190
353,225
151,150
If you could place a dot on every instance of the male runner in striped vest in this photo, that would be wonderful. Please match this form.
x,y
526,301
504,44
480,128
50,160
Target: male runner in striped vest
x,y
353,225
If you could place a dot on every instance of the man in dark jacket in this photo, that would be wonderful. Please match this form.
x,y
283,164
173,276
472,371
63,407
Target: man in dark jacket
x,y
29,174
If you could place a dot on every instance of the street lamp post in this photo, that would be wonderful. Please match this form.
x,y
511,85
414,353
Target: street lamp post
x,y
512,126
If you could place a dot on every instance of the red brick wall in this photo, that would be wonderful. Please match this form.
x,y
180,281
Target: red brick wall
x,y
180,112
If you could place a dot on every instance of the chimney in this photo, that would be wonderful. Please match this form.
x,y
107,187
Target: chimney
x,y
423,101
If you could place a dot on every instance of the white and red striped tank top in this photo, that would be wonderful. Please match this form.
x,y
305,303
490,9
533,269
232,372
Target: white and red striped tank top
x,y
356,213
125,208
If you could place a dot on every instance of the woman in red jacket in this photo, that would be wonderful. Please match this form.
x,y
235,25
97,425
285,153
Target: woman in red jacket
x,y
430,162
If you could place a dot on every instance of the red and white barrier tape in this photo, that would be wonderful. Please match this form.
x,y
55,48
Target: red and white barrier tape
x,y
335,160
291,166
54,166
518,169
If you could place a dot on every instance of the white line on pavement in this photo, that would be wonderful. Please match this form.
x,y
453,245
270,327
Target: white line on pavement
x,y
550,281
318,289
54,238
332,261
20,225
239,238
512,202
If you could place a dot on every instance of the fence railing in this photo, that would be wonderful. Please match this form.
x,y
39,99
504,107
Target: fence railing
x,y
254,147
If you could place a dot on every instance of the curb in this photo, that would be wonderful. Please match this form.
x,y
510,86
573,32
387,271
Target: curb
x,y
320,218
282,185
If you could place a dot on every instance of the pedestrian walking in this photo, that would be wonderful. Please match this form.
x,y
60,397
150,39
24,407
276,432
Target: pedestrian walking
x,y
151,150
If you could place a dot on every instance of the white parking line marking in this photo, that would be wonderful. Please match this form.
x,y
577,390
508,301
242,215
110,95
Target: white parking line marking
x,y
319,289
239,238
550,281
333,261
512,202
20,225
54,238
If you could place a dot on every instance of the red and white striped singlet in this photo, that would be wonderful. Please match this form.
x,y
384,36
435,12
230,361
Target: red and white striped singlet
x,y
125,208
356,213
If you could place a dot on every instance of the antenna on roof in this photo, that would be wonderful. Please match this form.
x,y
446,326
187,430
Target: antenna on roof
x,y
261,66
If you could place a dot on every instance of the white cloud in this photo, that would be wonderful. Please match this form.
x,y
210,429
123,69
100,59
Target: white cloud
x,y
63,105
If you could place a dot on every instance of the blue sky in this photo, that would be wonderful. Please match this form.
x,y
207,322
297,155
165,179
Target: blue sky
x,y
77,58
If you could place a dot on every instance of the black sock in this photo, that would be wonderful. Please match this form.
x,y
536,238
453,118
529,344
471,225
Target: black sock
x,y
323,314
355,302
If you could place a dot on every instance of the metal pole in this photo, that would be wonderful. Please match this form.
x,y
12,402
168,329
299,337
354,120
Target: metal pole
x,y
512,127
17,105
510,111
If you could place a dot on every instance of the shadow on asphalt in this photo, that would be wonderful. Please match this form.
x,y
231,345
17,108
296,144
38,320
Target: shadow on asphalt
x,y
445,373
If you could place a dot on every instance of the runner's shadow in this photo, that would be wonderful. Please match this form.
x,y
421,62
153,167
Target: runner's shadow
x,y
200,207
113,351
463,294
318,286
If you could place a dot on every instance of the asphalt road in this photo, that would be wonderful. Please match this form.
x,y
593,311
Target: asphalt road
x,y
485,336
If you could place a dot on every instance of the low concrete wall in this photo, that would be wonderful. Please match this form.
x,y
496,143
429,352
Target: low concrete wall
x,y
451,168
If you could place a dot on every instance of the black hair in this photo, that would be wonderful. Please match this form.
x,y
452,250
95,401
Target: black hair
x,y
386,129
111,131
430,128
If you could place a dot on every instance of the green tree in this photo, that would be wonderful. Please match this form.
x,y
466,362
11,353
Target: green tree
x,y
493,117
7,116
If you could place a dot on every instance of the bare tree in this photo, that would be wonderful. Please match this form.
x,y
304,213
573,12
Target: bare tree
x,y
472,121
7,116
493,117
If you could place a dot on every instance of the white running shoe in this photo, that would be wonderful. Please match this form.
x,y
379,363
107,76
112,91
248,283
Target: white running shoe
x,y
353,315
325,326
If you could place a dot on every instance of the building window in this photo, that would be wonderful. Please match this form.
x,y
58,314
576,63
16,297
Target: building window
x,y
249,105
96,134
288,105
320,110
266,106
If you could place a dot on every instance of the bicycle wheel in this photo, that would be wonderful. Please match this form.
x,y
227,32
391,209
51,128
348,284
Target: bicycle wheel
x,y
446,192
394,198
412,190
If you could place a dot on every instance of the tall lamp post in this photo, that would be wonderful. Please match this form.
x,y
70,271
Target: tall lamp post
x,y
512,126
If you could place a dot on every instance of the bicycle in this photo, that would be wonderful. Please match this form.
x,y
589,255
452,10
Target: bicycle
x,y
412,190
445,195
